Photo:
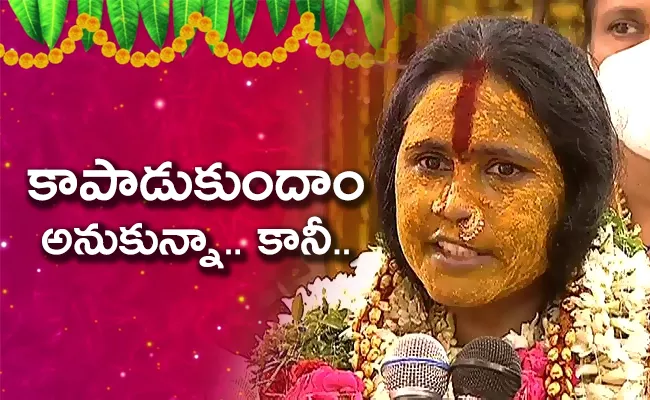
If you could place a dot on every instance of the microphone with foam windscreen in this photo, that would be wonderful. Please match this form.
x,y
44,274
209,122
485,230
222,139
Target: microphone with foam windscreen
x,y
416,368
487,368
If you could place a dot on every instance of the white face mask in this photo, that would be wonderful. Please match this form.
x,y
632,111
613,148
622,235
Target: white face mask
x,y
625,80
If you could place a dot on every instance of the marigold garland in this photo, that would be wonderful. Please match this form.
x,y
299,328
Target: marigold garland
x,y
305,30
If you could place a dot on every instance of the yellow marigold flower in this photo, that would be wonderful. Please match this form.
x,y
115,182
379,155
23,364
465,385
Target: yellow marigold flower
x,y
291,44
167,54
186,32
55,56
323,50
221,49
153,59
40,60
212,37
315,38
299,32
194,18
75,32
179,45
109,49
93,24
265,59
250,59
234,56
68,46
11,57
308,18
122,56
82,19
381,56
392,46
367,60
100,37
2,50
279,55
337,57
205,24
352,61
137,59
26,60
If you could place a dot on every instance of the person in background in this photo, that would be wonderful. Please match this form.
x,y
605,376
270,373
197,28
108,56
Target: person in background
x,y
617,34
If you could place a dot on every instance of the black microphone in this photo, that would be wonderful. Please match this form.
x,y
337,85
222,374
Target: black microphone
x,y
487,368
416,368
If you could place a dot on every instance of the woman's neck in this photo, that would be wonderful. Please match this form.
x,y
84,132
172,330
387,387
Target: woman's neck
x,y
498,318
635,186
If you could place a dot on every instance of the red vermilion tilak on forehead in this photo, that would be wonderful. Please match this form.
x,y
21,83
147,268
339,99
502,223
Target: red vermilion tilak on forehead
x,y
465,106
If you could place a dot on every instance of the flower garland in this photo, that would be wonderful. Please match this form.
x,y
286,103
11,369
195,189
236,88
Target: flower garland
x,y
592,344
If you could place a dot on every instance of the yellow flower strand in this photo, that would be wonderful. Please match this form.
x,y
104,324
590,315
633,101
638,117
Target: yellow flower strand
x,y
305,29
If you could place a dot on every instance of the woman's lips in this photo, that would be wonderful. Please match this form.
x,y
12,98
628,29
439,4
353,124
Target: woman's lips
x,y
453,255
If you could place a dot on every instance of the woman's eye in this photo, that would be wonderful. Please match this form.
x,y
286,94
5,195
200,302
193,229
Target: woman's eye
x,y
434,163
505,170
624,28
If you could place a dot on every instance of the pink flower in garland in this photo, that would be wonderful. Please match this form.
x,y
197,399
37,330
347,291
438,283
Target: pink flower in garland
x,y
327,383
533,365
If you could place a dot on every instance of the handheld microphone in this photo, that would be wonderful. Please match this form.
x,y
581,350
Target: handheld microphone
x,y
487,368
416,368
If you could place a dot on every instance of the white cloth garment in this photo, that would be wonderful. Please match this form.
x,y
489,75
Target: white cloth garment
x,y
625,80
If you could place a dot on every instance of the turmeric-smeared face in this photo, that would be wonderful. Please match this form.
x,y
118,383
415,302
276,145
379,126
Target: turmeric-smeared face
x,y
478,189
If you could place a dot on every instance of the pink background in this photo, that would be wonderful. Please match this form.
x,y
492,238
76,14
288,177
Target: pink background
x,y
145,330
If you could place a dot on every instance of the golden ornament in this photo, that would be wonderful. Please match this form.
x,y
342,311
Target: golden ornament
x,y
26,60
337,58
40,60
137,59
194,18
265,59
186,32
75,32
179,45
212,37
167,54
352,61
205,24
68,46
234,56
323,50
109,49
315,38
291,44
93,24
100,37
279,55
153,59
250,59
221,49
82,19
55,56
122,56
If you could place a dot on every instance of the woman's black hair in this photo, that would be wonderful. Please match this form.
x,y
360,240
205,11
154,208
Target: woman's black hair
x,y
555,78
588,10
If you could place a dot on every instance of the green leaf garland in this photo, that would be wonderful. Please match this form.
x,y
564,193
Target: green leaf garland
x,y
155,15
312,6
279,10
244,11
219,13
374,20
94,8
335,12
400,8
52,16
123,15
182,10
27,13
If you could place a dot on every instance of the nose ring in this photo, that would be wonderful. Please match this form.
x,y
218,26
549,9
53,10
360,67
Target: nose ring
x,y
471,227
440,204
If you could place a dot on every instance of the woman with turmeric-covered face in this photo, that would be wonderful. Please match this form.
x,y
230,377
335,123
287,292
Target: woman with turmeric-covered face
x,y
495,162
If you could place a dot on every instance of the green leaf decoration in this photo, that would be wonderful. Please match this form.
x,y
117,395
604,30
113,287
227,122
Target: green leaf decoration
x,y
27,13
155,15
52,16
335,12
219,12
93,8
244,11
297,308
182,10
374,20
123,15
279,10
400,8
313,6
